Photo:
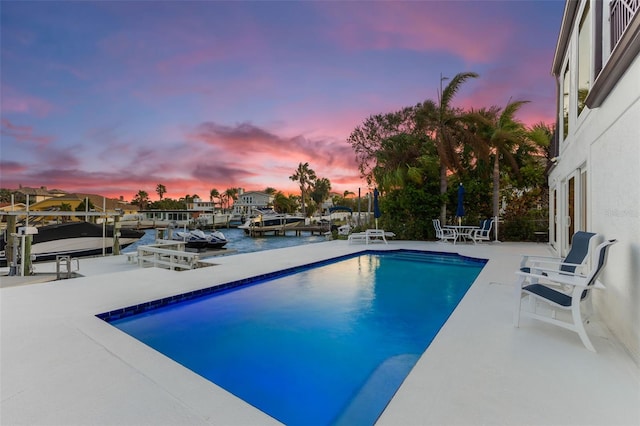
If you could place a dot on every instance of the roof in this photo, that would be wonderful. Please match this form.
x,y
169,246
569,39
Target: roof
x,y
564,38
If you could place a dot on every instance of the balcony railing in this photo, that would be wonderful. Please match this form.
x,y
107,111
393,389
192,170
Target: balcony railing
x,y
622,12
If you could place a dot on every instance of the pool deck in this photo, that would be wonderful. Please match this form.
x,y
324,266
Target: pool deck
x,y
60,365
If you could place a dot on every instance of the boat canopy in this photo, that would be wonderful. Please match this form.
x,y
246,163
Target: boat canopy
x,y
340,209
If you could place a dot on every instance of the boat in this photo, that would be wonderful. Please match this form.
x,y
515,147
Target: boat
x,y
215,239
236,220
267,220
76,239
191,240
197,239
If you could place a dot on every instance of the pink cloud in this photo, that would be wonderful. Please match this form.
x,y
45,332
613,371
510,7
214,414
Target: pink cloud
x,y
420,26
13,101
23,134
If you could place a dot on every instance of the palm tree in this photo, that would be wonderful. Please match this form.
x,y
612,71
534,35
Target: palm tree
x,y
141,199
214,193
503,133
444,125
231,194
161,190
541,134
304,176
320,190
394,159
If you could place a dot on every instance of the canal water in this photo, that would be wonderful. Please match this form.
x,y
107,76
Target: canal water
x,y
239,242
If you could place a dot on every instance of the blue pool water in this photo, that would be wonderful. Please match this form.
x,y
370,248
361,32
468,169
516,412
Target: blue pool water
x,y
322,345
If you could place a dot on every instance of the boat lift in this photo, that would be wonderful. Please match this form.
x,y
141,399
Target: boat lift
x,y
24,232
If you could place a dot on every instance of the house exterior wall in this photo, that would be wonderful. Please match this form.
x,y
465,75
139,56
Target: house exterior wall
x,y
602,150
247,201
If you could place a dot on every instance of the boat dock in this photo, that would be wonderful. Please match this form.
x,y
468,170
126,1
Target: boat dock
x,y
258,231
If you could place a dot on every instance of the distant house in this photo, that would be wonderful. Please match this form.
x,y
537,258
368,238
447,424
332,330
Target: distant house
x,y
594,181
15,207
201,205
99,203
247,201
36,195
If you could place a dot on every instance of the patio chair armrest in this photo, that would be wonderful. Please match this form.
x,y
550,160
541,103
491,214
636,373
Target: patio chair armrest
x,y
556,265
525,258
534,257
564,278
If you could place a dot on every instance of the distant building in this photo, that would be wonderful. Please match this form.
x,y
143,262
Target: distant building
x,y
201,205
594,181
247,201
98,202
35,195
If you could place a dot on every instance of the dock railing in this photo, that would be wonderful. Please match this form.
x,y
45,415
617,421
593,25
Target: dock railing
x,y
167,255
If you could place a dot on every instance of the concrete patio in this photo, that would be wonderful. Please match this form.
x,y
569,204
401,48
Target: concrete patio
x,y
60,365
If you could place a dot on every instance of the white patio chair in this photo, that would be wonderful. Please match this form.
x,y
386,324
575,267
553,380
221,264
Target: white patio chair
x,y
444,234
576,258
564,291
358,237
483,233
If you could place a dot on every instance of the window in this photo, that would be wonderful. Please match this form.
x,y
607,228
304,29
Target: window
x,y
584,57
571,210
583,200
565,103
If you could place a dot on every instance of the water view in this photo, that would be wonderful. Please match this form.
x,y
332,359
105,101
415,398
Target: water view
x,y
241,243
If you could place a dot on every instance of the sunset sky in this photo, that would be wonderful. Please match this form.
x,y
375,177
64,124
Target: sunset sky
x,y
115,97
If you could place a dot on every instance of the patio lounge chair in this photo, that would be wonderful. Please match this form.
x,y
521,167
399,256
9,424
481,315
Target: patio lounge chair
x,y
444,234
484,232
369,236
565,291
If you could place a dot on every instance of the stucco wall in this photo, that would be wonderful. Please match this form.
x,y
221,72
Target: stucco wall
x,y
608,139
615,211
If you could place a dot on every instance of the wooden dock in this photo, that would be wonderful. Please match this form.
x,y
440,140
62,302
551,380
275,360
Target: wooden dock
x,y
257,231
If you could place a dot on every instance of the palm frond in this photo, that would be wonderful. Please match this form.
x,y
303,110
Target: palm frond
x,y
452,88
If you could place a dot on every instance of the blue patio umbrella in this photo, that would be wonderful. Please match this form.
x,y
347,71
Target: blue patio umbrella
x,y
460,209
376,206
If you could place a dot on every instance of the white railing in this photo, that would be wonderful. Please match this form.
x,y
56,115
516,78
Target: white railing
x,y
163,255
621,14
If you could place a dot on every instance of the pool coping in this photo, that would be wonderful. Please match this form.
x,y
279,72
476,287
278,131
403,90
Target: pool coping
x,y
140,308
61,364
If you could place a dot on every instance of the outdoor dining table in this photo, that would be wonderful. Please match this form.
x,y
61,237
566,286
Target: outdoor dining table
x,y
463,231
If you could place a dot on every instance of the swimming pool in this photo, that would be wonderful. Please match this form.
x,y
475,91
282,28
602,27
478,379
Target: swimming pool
x,y
329,343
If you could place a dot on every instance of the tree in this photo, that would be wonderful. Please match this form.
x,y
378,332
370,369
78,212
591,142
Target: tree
x,y
396,158
85,206
284,204
168,204
230,194
445,126
367,138
320,190
304,176
541,135
213,194
188,199
271,191
161,190
141,199
65,207
503,134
